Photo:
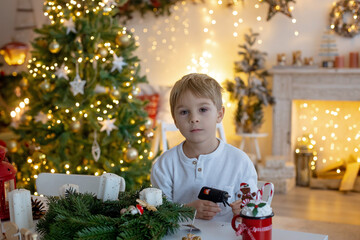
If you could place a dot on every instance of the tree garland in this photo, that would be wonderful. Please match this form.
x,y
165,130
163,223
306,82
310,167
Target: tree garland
x,y
83,216
339,12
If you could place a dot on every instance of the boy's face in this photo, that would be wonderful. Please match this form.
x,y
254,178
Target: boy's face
x,y
196,117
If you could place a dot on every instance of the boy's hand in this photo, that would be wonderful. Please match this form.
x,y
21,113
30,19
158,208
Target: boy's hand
x,y
204,209
236,207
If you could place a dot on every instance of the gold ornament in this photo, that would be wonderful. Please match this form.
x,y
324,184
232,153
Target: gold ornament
x,y
13,146
131,154
122,39
45,85
103,52
54,47
149,123
75,126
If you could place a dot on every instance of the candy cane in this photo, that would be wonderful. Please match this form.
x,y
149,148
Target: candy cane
x,y
260,192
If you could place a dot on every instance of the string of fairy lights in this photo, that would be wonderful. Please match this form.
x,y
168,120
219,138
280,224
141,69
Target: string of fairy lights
x,y
329,129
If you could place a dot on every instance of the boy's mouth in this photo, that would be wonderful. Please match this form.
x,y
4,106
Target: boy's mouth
x,y
195,130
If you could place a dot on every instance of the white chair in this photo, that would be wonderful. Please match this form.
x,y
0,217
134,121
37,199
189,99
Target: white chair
x,y
267,194
164,127
48,184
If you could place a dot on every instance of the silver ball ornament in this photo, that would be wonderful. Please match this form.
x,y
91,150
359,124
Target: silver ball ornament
x,y
131,154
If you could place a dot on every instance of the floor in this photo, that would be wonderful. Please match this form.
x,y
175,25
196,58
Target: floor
x,y
327,212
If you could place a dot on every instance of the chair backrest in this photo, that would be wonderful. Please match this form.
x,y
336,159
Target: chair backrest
x,y
170,127
48,184
268,190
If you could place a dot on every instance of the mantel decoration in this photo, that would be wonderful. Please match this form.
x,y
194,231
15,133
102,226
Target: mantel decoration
x,y
83,216
344,18
250,88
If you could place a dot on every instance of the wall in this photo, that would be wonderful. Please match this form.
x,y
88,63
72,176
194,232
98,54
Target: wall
x,y
171,46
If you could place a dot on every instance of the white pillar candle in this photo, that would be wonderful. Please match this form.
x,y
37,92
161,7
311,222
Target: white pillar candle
x,y
66,187
109,187
20,208
152,196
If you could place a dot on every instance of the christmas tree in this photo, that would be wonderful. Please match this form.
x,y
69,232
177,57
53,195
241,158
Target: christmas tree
x,y
83,115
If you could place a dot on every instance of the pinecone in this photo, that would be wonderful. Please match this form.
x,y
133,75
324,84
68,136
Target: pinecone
x,y
38,209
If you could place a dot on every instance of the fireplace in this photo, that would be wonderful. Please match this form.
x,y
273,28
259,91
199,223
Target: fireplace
x,y
296,88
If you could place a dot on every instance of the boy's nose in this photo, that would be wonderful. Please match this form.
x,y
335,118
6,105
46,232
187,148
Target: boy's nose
x,y
194,118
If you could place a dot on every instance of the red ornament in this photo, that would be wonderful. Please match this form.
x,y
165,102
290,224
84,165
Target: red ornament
x,y
140,209
7,183
2,143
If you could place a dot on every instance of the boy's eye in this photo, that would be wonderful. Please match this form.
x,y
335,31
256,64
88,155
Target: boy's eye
x,y
183,112
203,109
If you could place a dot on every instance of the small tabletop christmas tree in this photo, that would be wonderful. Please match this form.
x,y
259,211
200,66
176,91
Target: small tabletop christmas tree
x,y
84,116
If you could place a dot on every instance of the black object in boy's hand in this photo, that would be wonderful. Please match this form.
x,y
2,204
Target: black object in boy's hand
x,y
214,195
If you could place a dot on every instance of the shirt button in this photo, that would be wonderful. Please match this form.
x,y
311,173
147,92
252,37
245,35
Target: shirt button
x,y
194,162
199,169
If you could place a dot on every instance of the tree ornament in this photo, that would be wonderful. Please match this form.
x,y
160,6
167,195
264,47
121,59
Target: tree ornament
x,y
108,126
149,123
45,85
70,26
75,126
77,86
41,117
131,154
95,149
118,63
103,52
54,47
61,72
13,146
123,40
38,209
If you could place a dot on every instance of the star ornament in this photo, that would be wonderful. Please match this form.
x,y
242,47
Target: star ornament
x,y
278,6
77,86
108,126
70,26
118,63
61,72
41,117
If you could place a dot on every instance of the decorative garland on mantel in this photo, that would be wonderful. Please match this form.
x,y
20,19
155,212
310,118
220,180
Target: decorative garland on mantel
x,y
345,10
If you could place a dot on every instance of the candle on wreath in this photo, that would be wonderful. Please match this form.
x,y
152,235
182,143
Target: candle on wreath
x,y
110,186
7,183
20,208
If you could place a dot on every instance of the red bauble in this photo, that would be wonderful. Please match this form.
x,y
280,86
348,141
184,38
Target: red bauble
x,y
156,3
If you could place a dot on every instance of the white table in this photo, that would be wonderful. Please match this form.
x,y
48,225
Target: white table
x,y
211,230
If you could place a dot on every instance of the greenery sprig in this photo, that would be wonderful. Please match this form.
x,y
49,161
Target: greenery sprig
x,y
256,206
83,216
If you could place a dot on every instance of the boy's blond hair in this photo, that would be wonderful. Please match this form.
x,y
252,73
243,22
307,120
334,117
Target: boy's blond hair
x,y
199,84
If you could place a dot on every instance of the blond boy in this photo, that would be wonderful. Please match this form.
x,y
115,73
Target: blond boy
x,y
202,159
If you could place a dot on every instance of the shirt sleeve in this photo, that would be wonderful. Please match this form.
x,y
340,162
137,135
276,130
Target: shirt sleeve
x,y
161,178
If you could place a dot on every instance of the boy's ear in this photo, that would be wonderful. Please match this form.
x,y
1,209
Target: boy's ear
x,y
221,114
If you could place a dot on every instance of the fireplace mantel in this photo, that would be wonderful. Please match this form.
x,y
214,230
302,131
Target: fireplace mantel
x,y
307,84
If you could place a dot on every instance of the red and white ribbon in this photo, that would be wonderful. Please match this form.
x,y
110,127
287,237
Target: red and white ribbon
x,y
243,228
